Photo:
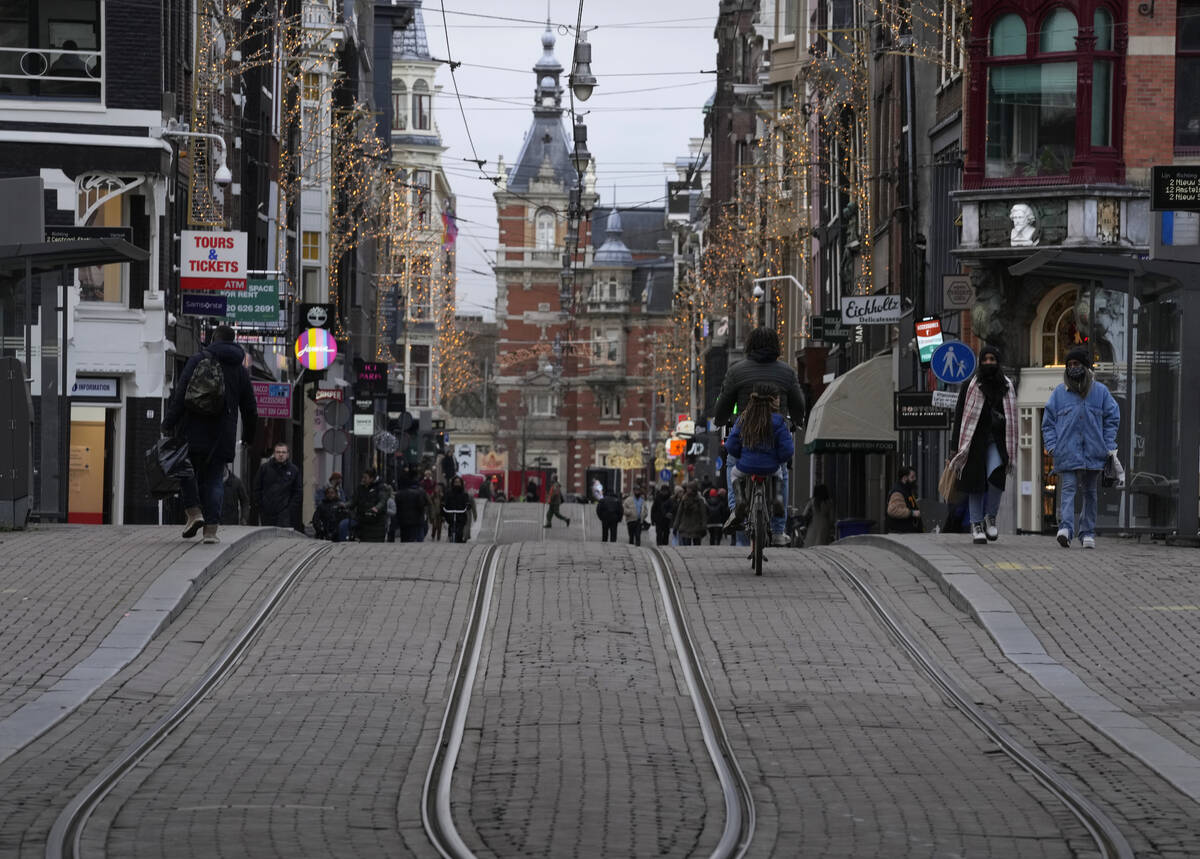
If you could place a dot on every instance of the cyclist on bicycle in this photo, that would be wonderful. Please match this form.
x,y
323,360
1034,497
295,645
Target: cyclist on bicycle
x,y
761,365
760,443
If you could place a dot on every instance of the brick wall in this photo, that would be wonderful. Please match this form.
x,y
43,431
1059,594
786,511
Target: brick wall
x,y
133,55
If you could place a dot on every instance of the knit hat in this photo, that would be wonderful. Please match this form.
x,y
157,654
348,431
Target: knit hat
x,y
990,350
1081,354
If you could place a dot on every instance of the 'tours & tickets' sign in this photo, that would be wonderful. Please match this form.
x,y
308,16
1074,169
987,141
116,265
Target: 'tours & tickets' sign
x,y
211,260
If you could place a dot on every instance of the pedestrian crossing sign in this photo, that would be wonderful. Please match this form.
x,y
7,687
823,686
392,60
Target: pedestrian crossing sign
x,y
953,362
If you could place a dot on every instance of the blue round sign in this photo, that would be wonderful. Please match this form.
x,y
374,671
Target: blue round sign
x,y
953,362
665,474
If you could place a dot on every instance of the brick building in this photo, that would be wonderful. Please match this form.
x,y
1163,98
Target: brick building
x,y
574,380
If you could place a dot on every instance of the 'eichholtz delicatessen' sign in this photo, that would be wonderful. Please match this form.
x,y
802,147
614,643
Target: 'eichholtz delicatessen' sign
x,y
870,309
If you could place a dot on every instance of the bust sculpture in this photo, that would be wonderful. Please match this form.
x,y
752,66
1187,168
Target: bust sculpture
x,y
1024,229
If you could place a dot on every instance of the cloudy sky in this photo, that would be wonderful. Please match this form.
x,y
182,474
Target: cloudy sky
x,y
647,58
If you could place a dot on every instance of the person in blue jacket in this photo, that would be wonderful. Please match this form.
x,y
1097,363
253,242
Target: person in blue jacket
x,y
760,444
1079,428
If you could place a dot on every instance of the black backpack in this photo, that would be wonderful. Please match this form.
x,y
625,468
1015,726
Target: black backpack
x,y
205,394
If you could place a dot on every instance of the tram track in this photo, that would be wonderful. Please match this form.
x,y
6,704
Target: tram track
x,y
1109,840
67,831
436,811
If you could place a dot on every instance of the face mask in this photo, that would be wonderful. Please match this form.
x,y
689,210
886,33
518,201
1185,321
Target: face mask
x,y
1075,372
989,371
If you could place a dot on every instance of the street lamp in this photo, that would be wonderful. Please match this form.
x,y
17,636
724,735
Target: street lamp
x,y
223,175
582,79
806,311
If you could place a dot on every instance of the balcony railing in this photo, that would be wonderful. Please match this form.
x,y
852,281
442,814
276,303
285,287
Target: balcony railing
x,y
50,73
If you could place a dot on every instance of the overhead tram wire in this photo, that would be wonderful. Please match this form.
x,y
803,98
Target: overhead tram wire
x,y
454,80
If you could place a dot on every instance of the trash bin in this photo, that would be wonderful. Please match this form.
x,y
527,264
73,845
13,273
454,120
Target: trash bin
x,y
853,527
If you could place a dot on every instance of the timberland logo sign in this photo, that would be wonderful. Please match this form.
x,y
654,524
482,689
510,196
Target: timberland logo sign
x,y
212,260
870,309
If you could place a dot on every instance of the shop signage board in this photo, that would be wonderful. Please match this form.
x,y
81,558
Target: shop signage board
x,y
1175,188
372,380
212,260
274,399
829,328
106,388
916,411
316,349
256,306
870,309
944,399
70,234
957,292
364,424
929,337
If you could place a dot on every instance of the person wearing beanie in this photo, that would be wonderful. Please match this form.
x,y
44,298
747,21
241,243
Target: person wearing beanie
x,y
984,442
1079,429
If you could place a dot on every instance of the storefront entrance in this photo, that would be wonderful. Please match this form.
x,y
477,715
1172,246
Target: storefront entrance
x,y
89,494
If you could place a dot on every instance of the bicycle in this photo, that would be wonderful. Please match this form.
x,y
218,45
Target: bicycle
x,y
758,519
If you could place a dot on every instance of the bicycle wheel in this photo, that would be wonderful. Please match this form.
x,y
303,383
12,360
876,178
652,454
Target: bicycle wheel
x,y
760,528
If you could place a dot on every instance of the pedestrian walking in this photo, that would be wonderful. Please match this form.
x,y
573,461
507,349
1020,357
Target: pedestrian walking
x,y
903,513
662,514
818,517
554,505
370,507
718,511
691,516
436,517
984,442
636,511
458,508
211,435
235,504
1079,428
277,490
609,511
412,508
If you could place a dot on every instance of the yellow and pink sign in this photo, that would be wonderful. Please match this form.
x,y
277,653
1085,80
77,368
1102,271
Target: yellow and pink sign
x,y
316,349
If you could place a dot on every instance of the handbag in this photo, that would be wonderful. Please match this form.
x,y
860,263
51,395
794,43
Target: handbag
x,y
167,463
1113,473
948,484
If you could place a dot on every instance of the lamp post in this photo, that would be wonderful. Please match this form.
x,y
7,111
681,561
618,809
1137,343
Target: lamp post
x,y
223,175
806,306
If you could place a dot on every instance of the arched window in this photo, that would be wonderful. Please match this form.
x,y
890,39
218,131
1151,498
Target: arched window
x,y
421,113
1049,99
544,231
399,106
1060,332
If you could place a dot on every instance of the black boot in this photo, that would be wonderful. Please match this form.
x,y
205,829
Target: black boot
x,y
738,516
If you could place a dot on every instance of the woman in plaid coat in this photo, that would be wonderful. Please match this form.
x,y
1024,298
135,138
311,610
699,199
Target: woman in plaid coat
x,y
985,442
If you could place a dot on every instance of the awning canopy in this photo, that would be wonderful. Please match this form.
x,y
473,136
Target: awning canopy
x,y
50,256
854,415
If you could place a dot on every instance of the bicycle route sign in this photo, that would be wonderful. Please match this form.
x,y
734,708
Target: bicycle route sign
x,y
953,362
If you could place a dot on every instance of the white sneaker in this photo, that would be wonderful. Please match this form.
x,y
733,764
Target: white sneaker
x,y
780,540
989,528
1089,542
1064,538
978,536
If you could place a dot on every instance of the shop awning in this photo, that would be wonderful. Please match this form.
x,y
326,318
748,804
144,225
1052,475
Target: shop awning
x,y
854,415
50,256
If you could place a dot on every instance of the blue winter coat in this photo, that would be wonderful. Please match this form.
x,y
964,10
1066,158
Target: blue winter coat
x,y
215,435
1080,431
762,459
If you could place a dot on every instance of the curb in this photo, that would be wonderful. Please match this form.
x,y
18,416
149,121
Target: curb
x,y
970,592
162,602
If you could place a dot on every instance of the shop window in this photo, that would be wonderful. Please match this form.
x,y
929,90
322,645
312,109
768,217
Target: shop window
x,y
1187,76
104,282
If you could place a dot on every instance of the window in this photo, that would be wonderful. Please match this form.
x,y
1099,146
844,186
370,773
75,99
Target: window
x,y
541,405
50,50
310,245
104,282
399,106
787,19
1059,333
421,115
420,298
1187,76
312,87
951,66
606,346
1043,80
610,406
421,201
544,224
419,374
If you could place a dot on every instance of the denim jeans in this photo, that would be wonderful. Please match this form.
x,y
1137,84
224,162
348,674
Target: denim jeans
x,y
1071,483
986,503
778,523
207,489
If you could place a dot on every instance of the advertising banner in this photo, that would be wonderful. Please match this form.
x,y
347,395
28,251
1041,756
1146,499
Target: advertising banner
x,y
464,455
316,349
929,337
274,399
212,260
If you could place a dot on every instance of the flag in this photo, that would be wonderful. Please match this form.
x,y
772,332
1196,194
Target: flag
x,y
449,229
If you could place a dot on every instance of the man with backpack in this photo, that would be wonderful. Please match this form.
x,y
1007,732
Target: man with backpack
x,y
210,392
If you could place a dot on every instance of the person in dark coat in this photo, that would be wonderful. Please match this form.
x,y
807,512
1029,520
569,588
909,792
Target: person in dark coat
x,y
609,511
331,518
902,514
984,442
718,512
370,507
412,509
278,491
662,514
235,506
691,516
211,438
457,509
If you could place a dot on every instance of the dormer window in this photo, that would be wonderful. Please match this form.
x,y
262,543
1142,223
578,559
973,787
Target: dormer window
x,y
422,115
1049,100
